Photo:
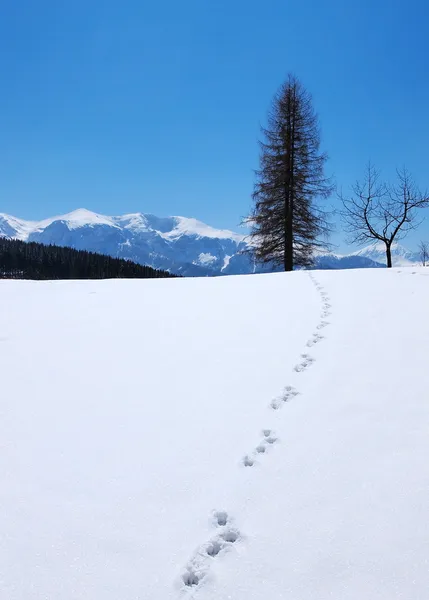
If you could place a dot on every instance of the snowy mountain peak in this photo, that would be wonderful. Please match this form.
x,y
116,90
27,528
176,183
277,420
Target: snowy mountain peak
x,y
178,244
170,227
82,218
13,227
376,251
189,226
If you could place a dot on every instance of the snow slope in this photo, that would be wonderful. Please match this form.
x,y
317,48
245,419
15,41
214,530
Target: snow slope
x,y
153,446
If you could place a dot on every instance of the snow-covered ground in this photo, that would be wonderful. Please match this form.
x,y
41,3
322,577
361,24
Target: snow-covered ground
x,y
167,440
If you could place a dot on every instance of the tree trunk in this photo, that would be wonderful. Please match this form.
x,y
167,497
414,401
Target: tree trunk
x,y
288,262
388,256
289,208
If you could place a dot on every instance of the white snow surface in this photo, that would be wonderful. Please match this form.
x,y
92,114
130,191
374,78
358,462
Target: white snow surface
x,y
130,408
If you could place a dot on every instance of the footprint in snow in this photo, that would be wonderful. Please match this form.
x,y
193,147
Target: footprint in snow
x,y
288,393
289,389
191,578
276,403
214,548
314,340
304,364
225,539
198,567
248,461
230,536
271,439
322,324
221,518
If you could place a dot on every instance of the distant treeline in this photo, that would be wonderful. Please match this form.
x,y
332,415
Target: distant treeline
x,y
22,260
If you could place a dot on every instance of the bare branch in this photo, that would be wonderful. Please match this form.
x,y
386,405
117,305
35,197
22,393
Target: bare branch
x,y
377,211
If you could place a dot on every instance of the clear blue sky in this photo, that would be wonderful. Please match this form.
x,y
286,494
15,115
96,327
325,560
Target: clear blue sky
x,y
155,106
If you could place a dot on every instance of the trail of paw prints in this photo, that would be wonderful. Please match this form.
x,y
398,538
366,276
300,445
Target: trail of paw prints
x,y
414,273
315,339
325,313
306,362
224,539
268,440
198,568
288,393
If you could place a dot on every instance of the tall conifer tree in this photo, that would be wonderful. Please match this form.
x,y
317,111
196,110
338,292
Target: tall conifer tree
x,y
287,223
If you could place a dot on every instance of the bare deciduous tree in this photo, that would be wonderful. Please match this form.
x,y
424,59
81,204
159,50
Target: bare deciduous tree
x,y
378,211
287,225
424,252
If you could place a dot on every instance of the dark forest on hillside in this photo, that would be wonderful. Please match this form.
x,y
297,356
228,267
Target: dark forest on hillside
x,y
22,260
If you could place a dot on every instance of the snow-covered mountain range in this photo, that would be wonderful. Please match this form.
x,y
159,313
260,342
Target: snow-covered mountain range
x,y
178,244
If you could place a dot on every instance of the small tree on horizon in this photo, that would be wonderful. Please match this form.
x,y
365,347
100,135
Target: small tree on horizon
x,y
424,252
378,211
286,224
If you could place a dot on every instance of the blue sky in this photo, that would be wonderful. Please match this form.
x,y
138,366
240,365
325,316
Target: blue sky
x,y
155,107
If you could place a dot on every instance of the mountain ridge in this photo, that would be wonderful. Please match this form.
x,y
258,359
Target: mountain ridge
x,y
181,245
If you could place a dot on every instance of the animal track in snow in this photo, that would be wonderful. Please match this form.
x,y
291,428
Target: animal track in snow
x,y
230,536
276,403
214,548
268,439
315,339
306,362
248,461
191,578
326,306
198,566
288,393
271,439
221,518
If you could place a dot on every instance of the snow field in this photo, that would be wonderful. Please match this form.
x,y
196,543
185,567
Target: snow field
x,y
240,438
